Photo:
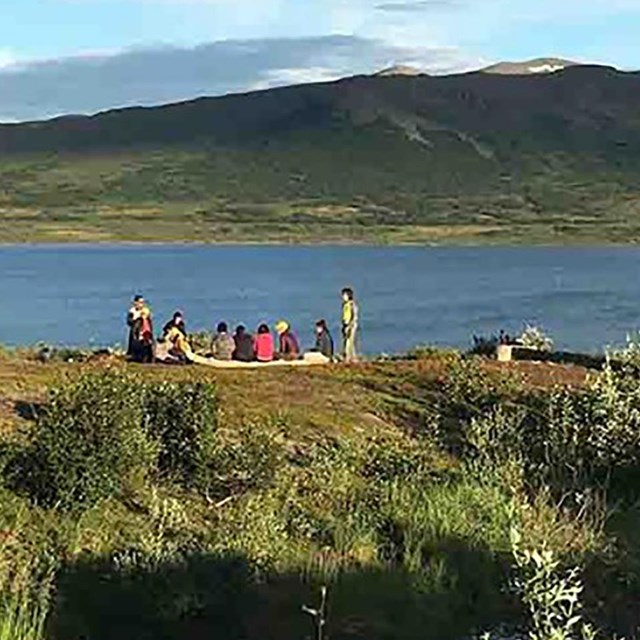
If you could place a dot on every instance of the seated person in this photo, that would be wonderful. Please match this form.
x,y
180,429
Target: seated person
x,y
288,348
263,345
178,345
324,340
176,321
243,340
223,345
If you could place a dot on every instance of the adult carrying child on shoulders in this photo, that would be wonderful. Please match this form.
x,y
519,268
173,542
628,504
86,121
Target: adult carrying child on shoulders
x,y
140,323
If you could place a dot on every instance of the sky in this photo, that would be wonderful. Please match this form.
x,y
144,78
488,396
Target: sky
x,y
83,56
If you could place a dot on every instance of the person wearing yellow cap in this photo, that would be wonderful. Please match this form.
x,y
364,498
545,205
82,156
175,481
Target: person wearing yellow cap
x,y
289,348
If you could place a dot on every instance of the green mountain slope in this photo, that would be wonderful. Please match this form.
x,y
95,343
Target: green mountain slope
x,y
466,158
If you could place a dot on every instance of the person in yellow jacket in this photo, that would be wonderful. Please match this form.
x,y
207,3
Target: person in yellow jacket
x,y
349,325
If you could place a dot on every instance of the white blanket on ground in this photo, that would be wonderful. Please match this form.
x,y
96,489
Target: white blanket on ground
x,y
310,359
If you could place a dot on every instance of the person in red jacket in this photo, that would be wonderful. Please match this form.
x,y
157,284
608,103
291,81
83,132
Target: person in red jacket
x,y
263,344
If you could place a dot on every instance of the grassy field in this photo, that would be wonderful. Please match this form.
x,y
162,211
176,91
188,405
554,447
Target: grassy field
x,y
189,196
158,502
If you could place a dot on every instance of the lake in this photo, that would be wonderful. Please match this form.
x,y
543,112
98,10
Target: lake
x,y
585,298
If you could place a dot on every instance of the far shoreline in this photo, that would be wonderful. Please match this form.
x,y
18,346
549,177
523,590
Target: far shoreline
x,y
75,244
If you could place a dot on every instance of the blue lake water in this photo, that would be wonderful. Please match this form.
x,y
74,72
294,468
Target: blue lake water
x,y
585,297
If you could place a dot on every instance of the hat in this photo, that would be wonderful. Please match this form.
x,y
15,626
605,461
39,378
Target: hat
x,y
282,326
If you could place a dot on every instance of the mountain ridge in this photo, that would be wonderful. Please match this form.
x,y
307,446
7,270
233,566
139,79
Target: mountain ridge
x,y
473,150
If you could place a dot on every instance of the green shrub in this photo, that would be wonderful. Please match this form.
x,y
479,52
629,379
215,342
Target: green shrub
x,y
385,459
183,419
103,430
567,440
88,443
243,460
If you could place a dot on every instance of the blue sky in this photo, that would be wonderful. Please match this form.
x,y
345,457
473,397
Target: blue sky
x,y
62,56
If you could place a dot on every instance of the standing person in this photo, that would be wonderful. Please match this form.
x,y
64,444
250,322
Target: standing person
x,y
263,344
324,340
349,325
140,323
223,345
243,340
289,348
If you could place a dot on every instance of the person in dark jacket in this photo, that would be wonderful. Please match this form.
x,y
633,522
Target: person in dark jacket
x,y
289,348
140,323
244,351
176,321
324,340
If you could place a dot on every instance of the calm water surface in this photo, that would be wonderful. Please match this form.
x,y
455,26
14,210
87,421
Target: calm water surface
x,y
585,297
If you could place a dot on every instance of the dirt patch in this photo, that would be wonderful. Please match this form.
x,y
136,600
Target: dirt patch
x,y
544,375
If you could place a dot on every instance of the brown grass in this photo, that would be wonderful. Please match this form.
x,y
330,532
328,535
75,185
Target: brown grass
x,y
331,399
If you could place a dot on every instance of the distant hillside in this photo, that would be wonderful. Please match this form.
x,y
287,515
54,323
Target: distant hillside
x,y
542,157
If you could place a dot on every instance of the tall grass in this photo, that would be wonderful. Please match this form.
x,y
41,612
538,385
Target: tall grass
x,y
26,581
22,617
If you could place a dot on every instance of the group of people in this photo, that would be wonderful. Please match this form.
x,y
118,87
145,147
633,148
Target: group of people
x,y
241,346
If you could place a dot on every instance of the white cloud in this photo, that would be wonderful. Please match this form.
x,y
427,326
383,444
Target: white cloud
x,y
7,58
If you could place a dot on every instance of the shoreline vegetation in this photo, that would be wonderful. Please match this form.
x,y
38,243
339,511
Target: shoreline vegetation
x,y
434,496
166,227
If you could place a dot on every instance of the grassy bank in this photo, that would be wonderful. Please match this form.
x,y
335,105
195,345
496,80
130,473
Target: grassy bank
x,y
300,223
185,196
179,503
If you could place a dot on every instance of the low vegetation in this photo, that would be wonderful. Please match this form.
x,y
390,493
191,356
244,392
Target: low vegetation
x,y
437,497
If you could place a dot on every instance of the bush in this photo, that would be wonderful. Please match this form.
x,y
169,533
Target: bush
x,y
535,338
88,442
240,461
183,419
568,440
100,432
